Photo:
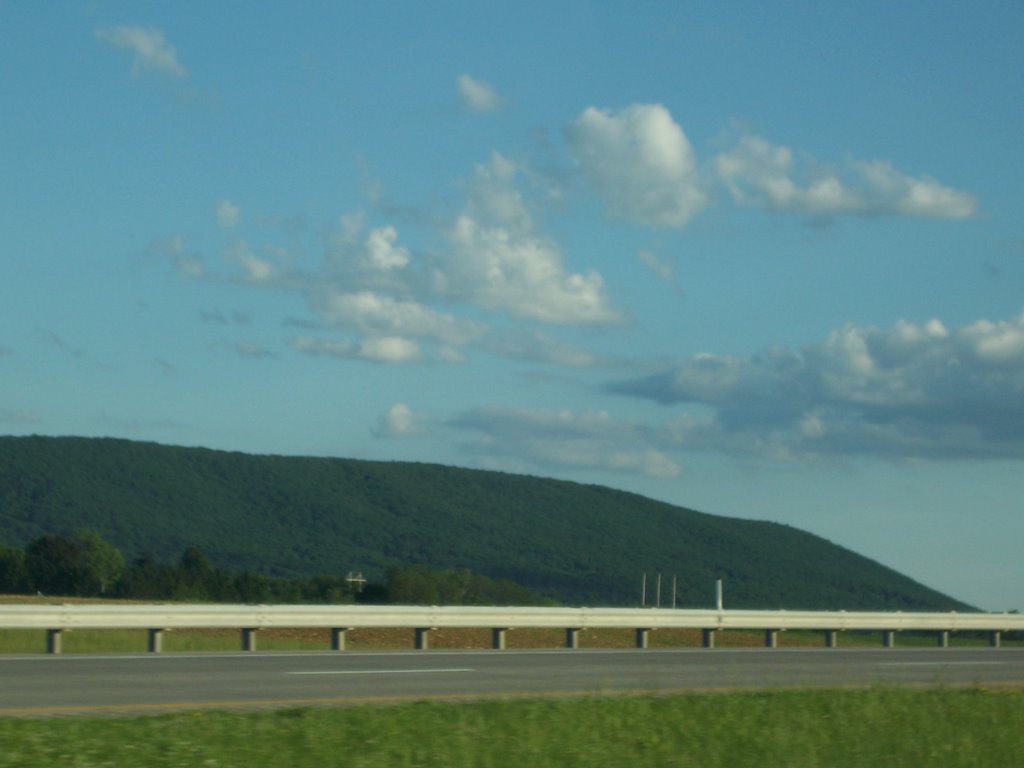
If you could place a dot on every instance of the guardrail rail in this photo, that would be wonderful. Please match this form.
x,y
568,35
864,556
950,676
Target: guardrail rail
x,y
249,619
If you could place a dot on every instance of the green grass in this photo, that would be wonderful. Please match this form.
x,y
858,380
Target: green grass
x,y
796,729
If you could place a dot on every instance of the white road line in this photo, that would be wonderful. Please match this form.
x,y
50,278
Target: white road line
x,y
377,671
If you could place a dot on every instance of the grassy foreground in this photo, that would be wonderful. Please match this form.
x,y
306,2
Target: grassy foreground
x,y
836,728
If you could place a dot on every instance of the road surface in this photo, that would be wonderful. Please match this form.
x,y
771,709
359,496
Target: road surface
x,y
163,682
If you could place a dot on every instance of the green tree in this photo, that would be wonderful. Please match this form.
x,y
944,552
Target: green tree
x,y
13,572
103,562
146,579
83,564
197,579
412,585
55,566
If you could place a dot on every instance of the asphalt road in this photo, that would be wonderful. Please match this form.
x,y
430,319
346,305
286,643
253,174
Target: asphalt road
x,y
161,682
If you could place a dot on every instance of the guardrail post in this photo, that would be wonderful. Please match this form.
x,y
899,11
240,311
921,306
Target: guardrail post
x,y
338,638
53,640
572,637
944,639
708,638
156,638
249,638
831,638
889,638
422,641
498,638
771,638
995,639
641,637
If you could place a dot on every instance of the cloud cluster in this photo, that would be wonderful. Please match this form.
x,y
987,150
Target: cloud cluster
x,y
567,439
489,279
152,51
376,349
497,259
538,346
910,391
762,174
640,162
391,303
394,305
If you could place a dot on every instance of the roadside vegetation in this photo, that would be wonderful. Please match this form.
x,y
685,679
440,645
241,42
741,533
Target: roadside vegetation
x,y
792,728
85,565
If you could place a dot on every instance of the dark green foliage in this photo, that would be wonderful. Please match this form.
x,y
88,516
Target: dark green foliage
x,y
295,517
14,578
83,564
419,585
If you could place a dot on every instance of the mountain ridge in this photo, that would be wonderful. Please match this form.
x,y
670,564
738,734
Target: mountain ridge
x,y
294,516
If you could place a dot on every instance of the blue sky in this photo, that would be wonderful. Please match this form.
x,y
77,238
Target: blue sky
x,y
761,260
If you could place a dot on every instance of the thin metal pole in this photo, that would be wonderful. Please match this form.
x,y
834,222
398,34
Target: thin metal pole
x,y
643,592
657,602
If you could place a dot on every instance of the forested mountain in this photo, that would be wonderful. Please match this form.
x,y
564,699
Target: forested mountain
x,y
294,516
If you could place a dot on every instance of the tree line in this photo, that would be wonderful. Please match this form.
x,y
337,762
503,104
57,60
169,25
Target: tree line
x,y
83,564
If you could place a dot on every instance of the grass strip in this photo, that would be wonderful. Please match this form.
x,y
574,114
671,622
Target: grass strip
x,y
858,727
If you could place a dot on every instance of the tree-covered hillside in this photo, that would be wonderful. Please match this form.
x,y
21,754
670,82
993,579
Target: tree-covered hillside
x,y
288,516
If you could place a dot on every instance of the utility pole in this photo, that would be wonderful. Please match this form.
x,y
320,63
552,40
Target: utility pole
x,y
657,603
643,592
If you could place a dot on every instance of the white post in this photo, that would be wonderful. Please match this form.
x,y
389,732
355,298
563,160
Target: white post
x,y
718,594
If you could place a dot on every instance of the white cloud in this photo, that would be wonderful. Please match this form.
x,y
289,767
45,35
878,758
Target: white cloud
x,y
173,248
996,343
227,214
253,350
912,391
759,173
382,253
539,347
640,162
383,315
18,418
400,421
191,266
343,348
152,51
378,349
662,269
256,269
497,261
587,440
390,349
477,96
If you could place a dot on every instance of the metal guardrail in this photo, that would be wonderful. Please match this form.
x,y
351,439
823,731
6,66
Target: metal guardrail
x,y
249,619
